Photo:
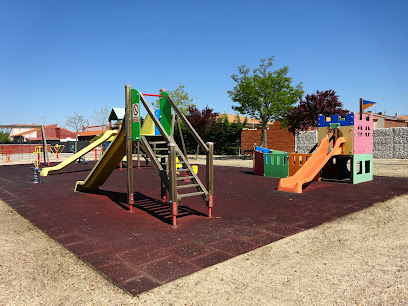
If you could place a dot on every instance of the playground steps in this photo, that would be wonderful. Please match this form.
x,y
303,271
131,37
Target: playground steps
x,y
155,147
192,194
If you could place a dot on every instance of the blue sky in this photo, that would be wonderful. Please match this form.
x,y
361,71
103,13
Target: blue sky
x,y
61,57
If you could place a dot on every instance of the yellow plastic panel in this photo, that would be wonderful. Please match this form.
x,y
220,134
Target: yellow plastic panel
x,y
348,134
148,126
322,132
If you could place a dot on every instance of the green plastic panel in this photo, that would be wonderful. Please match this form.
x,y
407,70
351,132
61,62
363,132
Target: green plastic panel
x,y
165,113
276,164
136,126
362,168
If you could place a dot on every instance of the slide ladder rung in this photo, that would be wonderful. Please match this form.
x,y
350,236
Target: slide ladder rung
x,y
182,170
161,156
180,178
187,186
157,142
192,194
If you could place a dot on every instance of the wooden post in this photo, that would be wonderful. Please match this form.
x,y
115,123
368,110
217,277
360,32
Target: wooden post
x,y
210,176
361,108
129,146
44,146
138,155
173,120
173,182
253,158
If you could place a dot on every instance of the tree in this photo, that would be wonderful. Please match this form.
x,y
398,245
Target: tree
x,y
77,122
4,137
227,136
304,116
180,97
101,116
265,95
204,120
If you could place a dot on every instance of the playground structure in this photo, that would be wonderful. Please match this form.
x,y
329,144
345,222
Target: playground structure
x,y
279,164
79,154
39,150
57,149
7,154
155,138
345,153
350,142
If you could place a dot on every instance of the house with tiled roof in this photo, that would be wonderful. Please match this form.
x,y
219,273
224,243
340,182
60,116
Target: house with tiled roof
x,y
404,117
90,131
384,121
52,132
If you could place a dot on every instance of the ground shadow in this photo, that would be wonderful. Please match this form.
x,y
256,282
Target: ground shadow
x,y
152,206
68,172
247,172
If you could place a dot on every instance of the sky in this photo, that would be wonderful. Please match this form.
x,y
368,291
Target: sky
x,y
62,57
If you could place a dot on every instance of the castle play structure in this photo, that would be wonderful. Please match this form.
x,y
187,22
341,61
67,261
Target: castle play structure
x,y
155,138
345,153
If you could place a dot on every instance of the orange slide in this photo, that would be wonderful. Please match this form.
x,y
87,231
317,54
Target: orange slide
x,y
309,170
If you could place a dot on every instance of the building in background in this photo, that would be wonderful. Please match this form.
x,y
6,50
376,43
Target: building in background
x,y
384,121
90,131
52,132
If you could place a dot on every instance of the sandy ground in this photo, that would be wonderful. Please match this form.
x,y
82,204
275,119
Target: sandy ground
x,y
360,259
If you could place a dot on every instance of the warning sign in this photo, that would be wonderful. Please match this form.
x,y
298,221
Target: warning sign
x,y
135,112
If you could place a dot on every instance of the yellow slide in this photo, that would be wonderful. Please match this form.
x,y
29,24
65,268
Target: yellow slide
x,y
106,136
314,164
105,166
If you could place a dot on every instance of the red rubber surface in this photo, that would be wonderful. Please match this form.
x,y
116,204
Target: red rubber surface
x,y
140,250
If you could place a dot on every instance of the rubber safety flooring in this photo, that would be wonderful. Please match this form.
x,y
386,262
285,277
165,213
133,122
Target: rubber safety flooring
x,y
139,251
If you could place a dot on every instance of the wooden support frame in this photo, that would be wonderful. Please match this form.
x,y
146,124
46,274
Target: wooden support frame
x,y
361,108
173,182
129,146
210,176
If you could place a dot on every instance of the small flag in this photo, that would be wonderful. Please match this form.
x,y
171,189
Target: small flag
x,y
367,104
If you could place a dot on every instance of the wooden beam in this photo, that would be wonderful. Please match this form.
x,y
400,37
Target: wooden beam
x,y
361,108
173,182
44,143
210,176
129,145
